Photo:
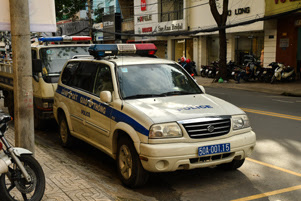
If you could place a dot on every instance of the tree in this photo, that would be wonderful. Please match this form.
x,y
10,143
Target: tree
x,y
221,20
66,9
98,13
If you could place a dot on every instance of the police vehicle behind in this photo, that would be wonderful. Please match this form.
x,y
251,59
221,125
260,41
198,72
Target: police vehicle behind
x,y
147,113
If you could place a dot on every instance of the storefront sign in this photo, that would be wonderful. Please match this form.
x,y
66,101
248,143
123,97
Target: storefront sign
x,y
172,27
274,7
147,29
284,42
239,11
144,18
143,5
282,1
111,23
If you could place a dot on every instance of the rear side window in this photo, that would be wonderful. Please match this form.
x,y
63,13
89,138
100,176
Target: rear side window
x,y
69,72
84,76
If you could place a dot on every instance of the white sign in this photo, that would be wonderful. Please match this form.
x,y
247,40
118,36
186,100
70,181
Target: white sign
x,y
41,15
239,11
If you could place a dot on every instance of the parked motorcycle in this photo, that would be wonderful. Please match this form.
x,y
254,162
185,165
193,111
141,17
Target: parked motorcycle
x,y
283,73
204,71
268,72
22,177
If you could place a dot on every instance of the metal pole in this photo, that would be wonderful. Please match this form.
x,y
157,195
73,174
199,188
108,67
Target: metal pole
x,y
22,67
90,17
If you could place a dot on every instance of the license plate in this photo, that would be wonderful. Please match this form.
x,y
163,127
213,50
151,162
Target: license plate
x,y
214,149
206,70
233,73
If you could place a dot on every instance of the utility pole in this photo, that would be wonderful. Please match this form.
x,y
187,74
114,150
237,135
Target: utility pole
x,y
90,18
22,80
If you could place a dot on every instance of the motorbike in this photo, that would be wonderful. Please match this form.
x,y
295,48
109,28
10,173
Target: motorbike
x,y
194,68
268,72
204,71
213,70
283,73
253,71
22,177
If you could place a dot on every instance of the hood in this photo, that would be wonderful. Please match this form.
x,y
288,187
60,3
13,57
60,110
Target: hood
x,y
176,108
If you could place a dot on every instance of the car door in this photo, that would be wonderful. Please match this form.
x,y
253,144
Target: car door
x,y
98,123
81,86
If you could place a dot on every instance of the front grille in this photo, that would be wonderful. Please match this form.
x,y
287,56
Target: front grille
x,y
209,158
207,129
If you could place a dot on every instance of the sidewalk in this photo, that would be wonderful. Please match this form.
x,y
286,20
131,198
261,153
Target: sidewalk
x,y
280,88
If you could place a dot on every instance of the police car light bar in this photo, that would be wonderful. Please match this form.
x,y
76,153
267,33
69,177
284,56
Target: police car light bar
x,y
65,38
102,50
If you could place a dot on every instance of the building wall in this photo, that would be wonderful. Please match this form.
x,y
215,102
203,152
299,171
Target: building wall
x,y
270,40
287,40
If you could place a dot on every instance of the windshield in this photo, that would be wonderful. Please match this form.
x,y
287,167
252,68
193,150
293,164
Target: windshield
x,y
54,58
155,80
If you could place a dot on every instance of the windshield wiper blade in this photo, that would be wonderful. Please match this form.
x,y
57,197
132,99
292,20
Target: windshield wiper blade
x,y
171,93
142,96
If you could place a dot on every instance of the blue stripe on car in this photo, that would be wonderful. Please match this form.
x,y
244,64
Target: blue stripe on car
x,y
102,109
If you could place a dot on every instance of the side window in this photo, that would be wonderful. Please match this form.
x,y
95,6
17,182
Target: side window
x,y
103,80
84,76
68,72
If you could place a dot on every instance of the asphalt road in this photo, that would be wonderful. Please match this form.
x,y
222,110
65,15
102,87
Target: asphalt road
x,y
273,172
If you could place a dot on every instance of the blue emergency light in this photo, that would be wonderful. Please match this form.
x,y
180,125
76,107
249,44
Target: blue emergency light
x,y
65,38
102,50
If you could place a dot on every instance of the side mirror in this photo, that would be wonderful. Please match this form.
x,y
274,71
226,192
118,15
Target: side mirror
x,y
106,96
202,88
36,65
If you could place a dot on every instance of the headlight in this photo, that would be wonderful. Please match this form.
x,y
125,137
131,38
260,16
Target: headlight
x,y
168,130
240,121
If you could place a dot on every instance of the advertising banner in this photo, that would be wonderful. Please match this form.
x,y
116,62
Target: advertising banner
x,y
112,24
41,16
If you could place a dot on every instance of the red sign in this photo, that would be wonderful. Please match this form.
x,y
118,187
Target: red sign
x,y
147,29
143,5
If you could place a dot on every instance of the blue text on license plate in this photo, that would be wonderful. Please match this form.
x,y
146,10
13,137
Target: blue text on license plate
x,y
214,149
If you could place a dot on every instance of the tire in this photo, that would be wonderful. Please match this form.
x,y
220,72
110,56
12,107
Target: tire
x,y
233,165
67,139
273,79
20,188
203,73
129,167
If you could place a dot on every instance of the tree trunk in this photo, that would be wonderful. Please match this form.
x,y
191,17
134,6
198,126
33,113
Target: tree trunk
x,y
222,55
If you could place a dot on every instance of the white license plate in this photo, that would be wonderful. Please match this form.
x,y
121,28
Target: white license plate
x,y
233,73
214,149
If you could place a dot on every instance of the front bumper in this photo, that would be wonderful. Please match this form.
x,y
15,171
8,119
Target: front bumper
x,y
176,156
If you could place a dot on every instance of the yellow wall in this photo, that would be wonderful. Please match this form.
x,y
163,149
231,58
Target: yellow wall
x,y
282,6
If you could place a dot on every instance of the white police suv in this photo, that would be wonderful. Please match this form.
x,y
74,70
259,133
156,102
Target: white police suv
x,y
147,113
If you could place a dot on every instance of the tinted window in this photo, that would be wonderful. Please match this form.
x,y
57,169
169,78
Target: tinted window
x,y
68,72
84,76
103,81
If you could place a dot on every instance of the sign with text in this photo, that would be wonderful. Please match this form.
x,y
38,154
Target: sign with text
x,y
143,5
111,25
41,16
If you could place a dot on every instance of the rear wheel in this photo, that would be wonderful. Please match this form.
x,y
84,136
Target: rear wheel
x,y
203,73
129,166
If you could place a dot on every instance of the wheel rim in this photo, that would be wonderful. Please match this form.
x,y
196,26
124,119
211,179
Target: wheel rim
x,y
16,185
125,162
64,131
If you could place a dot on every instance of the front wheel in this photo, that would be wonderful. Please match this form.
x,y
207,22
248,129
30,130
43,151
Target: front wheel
x,y
14,187
129,166
232,165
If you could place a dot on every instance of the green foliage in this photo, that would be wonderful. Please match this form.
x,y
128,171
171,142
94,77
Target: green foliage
x,y
98,13
66,9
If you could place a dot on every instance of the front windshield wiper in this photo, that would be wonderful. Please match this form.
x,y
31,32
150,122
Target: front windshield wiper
x,y
143,96
172,93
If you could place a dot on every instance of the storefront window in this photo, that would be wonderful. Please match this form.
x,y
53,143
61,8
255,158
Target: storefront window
x,y
183,47
213,49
